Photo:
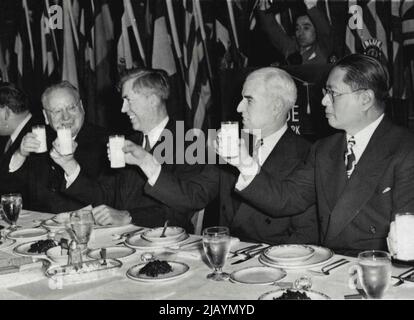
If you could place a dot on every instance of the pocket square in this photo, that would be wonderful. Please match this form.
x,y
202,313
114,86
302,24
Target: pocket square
x,y
386,190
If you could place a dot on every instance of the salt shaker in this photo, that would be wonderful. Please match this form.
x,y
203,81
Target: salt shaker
x,y
75,255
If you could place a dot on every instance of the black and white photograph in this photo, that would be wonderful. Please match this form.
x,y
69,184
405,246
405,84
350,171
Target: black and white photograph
x,y
200,156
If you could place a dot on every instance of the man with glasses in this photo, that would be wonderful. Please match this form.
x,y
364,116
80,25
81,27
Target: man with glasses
x,y
358,178
119,198
62,107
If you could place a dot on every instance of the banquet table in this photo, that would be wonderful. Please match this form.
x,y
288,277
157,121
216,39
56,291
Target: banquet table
x,y
192,286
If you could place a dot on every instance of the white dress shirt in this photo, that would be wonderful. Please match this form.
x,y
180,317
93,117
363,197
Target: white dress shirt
x,y
362,138
265,149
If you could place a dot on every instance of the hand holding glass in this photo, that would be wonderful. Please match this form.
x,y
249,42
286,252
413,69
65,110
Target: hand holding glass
x,y
373,273
216,243
11,205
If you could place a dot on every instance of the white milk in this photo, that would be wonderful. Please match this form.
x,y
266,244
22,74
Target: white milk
x,y
404,227
229,139
116,143
40,133
65,141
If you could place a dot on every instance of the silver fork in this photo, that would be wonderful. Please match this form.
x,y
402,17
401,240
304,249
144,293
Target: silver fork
x,y
250,254
245,249
325,272
402,277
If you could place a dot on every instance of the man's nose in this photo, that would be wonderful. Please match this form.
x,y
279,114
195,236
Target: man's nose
x,y
326,100
240,107
65,115
124,107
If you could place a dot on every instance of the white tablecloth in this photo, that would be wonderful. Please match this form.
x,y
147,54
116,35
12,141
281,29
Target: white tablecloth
x,y
193,285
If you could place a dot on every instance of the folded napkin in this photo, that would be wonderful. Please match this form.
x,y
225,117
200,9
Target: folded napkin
x,y
196,251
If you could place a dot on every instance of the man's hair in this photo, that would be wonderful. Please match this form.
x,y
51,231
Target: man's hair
x,y
57,86
278,84
13,98
366,72
152,81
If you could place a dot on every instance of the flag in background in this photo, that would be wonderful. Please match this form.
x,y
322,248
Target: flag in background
x,y
162,52
48,60
197,85
103,46
376,15
69,67
3,65
407,16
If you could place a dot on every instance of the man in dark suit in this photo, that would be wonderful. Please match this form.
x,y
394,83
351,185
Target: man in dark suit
x,y
62,108
268,95
358,178
119,197
15,121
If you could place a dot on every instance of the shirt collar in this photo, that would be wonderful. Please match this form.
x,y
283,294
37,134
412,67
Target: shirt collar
x,y
19,128
363,136
155,132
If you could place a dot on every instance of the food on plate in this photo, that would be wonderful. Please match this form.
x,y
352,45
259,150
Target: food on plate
x,y
42,246
293,295
156,267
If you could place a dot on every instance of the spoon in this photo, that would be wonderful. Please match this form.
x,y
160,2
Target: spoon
x,y
163,230
103,256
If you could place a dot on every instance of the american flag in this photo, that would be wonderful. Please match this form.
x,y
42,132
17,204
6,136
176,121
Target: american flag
x,y
376,15
48,59
197,85
69,68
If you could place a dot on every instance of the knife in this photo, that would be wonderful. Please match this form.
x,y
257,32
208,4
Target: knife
x,y
250,255
243,250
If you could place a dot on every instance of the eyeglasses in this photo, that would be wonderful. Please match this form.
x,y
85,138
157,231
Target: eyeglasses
x,y
332,94
72,109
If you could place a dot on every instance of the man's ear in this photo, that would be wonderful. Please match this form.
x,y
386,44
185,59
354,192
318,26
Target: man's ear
x,y
368,99
45,116
277,107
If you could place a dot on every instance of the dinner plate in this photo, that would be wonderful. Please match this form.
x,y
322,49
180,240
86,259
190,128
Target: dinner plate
x,y
29,233
289,253
313,295
23,250
5,243
112,253
178,270
171,234
321,256
137,242
52,225
257,275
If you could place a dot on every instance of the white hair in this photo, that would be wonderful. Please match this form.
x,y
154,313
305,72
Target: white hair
x,y
278,84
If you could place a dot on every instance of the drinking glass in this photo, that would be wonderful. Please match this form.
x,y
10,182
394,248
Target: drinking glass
x,y
216,243
11,205
374,272
81,223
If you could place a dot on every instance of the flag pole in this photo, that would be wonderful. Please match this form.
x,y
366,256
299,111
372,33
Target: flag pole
x,y
203,37
51,30
29,31
233,22
174,33
72,22
128,7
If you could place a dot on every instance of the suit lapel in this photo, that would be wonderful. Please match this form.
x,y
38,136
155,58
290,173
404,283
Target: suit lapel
x,y
332,168
363,181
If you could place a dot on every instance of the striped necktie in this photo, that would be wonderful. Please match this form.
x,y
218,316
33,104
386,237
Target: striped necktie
x,y
350,160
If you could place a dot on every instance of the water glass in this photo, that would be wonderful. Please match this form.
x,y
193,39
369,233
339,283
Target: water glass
x,y
373,272
11,206
81,223
216,244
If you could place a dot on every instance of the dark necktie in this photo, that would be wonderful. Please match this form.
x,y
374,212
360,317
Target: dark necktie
x,y
8,144
147,144
350,160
